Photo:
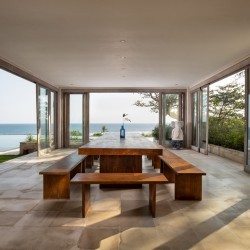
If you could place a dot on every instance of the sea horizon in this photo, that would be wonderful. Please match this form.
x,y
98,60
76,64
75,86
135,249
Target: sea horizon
x,y
11,134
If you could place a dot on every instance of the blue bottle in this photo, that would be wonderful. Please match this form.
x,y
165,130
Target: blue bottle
x,y
122,132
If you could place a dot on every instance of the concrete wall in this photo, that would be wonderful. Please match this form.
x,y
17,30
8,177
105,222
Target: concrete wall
x,y
231,154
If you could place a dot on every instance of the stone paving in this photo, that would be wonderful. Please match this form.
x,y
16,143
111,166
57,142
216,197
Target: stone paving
x,y
120,219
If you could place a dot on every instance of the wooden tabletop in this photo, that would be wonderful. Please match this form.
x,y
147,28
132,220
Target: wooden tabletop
x,y
111,144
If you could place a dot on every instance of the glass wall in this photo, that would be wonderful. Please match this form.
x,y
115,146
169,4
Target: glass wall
x,y
17,112
227,112
195,115
218,114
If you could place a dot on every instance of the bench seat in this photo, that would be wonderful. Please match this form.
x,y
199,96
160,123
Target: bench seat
x,y
118,178
56,178
187,177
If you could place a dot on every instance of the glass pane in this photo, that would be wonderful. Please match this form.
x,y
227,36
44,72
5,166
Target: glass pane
x,y
76,120
248,132
52,115
227,112
43,100
170,115
203,126
195,119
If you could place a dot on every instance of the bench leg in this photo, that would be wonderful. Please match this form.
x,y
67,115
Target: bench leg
x,y
56,186
156,162
85,199
168,172
152,199
188,187
77,169
89,161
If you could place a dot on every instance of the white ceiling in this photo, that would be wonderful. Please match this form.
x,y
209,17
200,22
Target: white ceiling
x,y
168,43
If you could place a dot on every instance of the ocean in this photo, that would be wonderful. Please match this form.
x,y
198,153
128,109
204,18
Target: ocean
x,y
12,134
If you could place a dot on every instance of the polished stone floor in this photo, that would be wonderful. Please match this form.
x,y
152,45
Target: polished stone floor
x,y
120,219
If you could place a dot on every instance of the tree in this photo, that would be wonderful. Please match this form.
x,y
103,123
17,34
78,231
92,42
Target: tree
x,y
226,116
151,100
104,129
227,102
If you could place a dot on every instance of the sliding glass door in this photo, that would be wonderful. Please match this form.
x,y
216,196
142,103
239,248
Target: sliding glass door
x,y
172,110
195,121
199,113
247,122
204,120
45,120
76,119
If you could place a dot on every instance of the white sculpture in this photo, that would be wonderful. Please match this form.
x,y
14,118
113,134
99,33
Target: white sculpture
x,y
177,134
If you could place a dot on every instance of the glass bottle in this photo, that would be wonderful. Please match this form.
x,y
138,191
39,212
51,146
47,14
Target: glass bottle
x,y
122,132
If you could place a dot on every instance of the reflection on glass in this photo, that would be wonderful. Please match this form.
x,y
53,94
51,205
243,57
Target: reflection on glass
x,y
76,119
171,114
195,119
52,120
43,100
248,132
203,127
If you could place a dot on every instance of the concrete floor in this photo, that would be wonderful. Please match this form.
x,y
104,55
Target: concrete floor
x,y
120,219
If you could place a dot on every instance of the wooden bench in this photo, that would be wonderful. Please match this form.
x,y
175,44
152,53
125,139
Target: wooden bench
x,y
118,178
56,178
187,177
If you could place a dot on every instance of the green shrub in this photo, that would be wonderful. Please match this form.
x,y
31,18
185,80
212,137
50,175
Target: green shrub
x,y
168,132
30,138
97,134
75,134
228,135
155,132
147,134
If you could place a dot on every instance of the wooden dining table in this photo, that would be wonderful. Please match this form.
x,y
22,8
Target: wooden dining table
x,y
121,155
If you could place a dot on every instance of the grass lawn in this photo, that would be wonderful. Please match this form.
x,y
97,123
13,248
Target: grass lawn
x,y
4,158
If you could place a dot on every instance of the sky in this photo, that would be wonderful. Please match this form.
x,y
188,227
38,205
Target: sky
x,y
18,104
17,99
109,108
235,77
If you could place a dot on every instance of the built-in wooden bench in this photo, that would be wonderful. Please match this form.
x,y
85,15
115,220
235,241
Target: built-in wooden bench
x,y
56,178
187,177
118,178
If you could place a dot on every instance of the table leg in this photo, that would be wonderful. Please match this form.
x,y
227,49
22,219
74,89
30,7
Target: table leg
x,y
120,164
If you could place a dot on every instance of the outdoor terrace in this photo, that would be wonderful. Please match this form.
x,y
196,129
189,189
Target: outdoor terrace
x,y
120,219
